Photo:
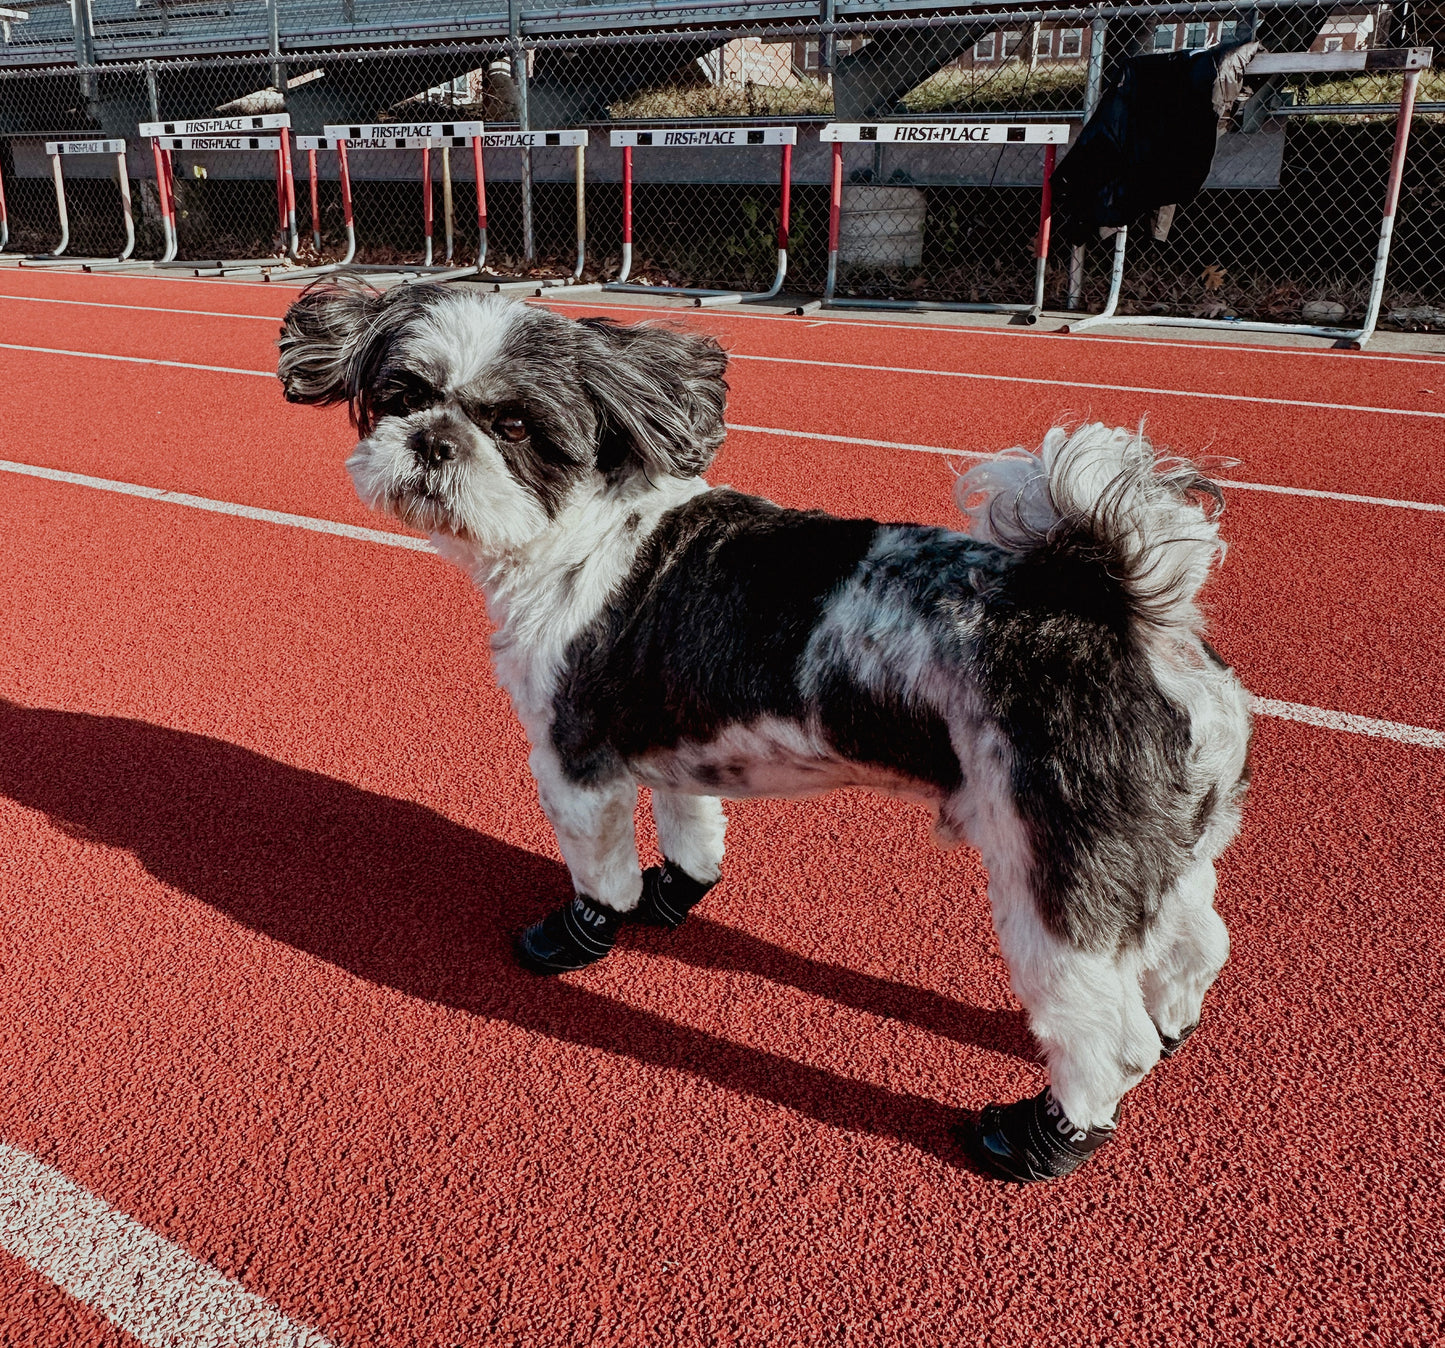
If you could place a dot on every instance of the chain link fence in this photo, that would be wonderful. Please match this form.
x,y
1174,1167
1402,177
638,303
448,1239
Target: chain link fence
x,y
1285,228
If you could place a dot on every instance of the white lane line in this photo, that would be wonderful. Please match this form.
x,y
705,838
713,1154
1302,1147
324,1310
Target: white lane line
x,y
1290,711
137,360
841,365
222,507
1107,388
139,308
981,454
1355,725
966,330
134,1277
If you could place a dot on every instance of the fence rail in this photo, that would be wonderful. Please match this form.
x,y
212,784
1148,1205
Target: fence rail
x,y
1285,229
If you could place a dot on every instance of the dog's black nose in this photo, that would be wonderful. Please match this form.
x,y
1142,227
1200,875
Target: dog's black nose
x,y
431,447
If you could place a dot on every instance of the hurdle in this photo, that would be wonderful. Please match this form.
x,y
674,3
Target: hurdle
x,y
1048,134
223,135
698,139
1409,61
535,140
57,149
423,136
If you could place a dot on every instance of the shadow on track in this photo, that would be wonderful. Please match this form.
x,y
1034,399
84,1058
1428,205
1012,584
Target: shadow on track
x,y
404,897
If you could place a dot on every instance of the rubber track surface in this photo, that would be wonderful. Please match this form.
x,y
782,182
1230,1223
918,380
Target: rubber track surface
x,y
267,825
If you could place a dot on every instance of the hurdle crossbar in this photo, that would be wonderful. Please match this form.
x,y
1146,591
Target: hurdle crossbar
x,y
707,138
533,140
1048,134
224,135
1409,61
423,136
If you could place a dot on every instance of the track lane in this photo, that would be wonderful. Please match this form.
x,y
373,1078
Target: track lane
x,y
343,1088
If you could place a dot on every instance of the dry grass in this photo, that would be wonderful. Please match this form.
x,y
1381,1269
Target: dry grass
x,y
805,98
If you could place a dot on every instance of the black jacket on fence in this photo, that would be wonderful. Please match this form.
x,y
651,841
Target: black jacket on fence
x,y
1150,141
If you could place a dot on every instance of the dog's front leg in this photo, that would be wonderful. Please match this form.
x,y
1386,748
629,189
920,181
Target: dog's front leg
x,y
595,830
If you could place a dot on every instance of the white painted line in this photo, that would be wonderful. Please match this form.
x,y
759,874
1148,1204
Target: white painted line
x,y
135,1278
1107,388
137,360
840,365
140,308
222,507
1290,711
1355,725
981,454
965,330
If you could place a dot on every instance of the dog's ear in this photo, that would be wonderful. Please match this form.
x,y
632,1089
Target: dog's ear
x,y
335,337
659,393
320,335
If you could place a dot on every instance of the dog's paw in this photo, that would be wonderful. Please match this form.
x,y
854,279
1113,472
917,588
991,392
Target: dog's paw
x,y
1030,1140
1170,1044
577,934
669,894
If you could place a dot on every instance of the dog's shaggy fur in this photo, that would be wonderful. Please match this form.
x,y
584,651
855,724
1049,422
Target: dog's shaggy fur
x,y
1038,678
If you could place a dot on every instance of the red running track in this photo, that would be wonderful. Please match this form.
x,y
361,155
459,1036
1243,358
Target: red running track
x,y
267,824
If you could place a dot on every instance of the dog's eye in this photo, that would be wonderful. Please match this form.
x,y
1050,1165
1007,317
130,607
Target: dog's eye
x,y
414,398
510,427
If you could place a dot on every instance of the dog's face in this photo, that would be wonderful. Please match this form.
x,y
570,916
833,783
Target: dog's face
x,y
483,418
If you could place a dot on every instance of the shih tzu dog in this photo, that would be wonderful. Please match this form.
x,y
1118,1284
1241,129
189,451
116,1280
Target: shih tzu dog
x,y
1037,677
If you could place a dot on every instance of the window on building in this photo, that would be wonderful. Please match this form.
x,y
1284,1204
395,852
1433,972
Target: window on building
x,y
1164,37
1229,30
810,56
1046,41
1196,35
1334,44
1071,42
984,50
1011,43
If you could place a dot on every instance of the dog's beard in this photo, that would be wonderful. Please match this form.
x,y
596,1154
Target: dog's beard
x,y
466,497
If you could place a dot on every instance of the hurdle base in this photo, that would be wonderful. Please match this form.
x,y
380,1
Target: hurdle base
x,y
1345,338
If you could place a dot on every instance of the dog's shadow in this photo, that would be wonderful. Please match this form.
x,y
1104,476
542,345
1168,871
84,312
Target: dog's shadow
x,y
404,897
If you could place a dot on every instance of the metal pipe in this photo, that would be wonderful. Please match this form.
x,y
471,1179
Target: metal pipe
x,y
581,213
626,215
426,200
785,197
1098,30
1046,222
123,181
1392,201
315,202
481,202
1116,280
345,171
288,173
59,175
4,216
447,221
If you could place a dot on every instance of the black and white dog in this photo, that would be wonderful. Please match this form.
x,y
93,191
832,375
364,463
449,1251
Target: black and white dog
x,y
1038,678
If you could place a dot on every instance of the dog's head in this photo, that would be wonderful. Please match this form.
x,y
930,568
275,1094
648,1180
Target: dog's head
x,y
483,418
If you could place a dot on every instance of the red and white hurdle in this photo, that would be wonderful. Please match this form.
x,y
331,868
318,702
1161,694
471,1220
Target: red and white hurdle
x,y
423,136
227,135
1048,134
707,138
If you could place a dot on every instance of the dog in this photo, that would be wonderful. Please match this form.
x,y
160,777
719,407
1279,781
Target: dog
x,y
1038,677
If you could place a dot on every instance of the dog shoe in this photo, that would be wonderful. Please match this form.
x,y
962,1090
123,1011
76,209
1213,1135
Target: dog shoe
x,y
1172,1043
1031,1140
573,936
669,894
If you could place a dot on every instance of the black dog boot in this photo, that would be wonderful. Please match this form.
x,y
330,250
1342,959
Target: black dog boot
x,y
669,894
1031,1140
1170,1044
572,937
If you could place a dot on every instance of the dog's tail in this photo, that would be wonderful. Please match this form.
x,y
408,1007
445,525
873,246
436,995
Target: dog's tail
x,y
1103,497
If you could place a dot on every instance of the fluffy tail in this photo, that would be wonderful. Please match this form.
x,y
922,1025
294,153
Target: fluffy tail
x,y
1103,494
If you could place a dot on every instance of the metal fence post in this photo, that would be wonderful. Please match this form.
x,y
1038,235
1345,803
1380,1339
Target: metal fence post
x,y
524,123
278,68
1097,30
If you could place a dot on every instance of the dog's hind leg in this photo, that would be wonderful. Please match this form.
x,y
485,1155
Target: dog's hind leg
x,y
1183,955
690,832
596,832
1087,1011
